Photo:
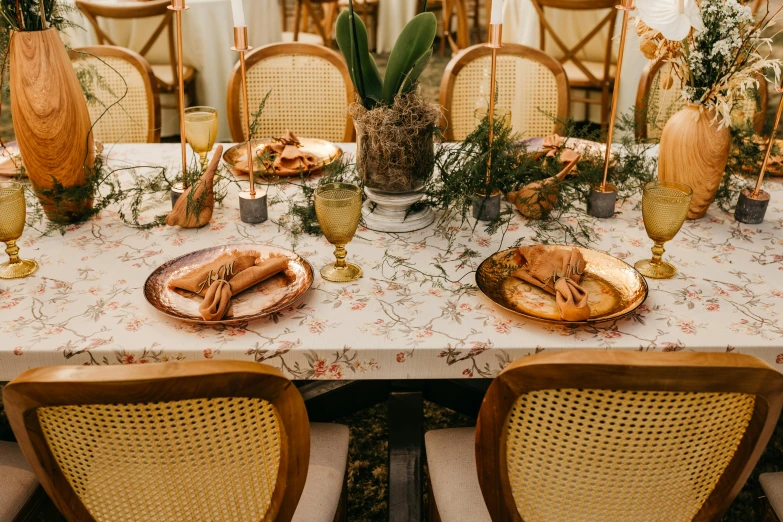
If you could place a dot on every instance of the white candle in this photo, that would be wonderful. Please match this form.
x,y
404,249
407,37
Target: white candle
x,y
238,12
497,12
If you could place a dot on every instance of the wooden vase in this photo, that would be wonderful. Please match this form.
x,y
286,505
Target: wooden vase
x,y
51,123
694,152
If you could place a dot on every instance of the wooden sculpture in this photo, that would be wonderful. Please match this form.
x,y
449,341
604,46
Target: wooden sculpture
x,y
537,199
203,199
51,120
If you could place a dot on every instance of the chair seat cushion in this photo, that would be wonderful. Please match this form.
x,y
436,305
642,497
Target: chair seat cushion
x,y
325,475
451,458
578,78
18,481
772,484
165,75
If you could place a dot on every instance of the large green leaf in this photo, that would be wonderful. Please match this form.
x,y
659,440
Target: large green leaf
x,y
412,44
373,85
418,68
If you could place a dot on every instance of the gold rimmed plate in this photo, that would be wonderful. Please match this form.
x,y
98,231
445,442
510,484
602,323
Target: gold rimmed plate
x,y
614,288
266,298
325,151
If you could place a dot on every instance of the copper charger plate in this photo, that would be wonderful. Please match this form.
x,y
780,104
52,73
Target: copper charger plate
x,y
615,288
266,298
326,152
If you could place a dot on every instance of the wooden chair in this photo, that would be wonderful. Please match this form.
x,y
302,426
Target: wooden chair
x,y
654,106
321,14
165,73
20,487
608,435
309,90
127,104
203,440
583,74
533,87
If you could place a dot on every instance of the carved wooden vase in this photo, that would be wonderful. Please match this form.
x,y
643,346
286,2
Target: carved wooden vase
x,y
694,152
51,123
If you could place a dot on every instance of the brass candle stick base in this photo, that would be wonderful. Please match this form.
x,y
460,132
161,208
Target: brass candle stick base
x,y
602,200
751,207
253,207
487,207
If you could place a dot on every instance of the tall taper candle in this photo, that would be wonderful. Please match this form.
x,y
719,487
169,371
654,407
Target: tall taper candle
x,y
497,12
239,13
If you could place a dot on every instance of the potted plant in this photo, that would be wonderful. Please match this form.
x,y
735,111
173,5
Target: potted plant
x,y
50,116
717,52
395,126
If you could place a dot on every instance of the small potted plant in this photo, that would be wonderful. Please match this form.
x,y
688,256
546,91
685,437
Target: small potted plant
x,y
395,126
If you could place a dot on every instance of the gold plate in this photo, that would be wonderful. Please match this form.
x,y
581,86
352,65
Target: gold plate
x,y
266,298
614,288
326,152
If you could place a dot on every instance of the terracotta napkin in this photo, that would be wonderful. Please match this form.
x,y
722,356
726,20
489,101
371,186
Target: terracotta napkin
x,y
554,145
558,272
217,299
287,158
224,267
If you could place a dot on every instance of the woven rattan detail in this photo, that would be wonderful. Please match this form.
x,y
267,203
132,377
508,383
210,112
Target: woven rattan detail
x,y
619,456
308,97
199,459
526,88
128,118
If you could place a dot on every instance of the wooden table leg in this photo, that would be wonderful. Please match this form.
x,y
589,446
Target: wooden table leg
x,y
406,436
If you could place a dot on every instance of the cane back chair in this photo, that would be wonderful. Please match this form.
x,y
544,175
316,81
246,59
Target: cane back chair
x,y
205,440
165,73
309,91
532,85
584,73
655,105
126,108
610,435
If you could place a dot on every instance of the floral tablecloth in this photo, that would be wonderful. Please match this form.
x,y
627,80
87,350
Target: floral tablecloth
x,y
85,304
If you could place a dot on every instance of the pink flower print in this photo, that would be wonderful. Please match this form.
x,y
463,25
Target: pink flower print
x,y
359,305
672,347
218,227
611,334
483,241
467,372
207,353
401,357
777,293
18,350
94,291
686,326
236,332
713,307
437,292
345,294
316,326
466,307
178,240
422,334
319,368
513,228
128,359
502,327
635,242
477,348
377,290
9,304
335,372
133,325
378,321
113,305
393,286
121,282
779,358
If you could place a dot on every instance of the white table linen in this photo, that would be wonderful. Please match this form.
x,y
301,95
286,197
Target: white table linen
x,y
86,306
207,36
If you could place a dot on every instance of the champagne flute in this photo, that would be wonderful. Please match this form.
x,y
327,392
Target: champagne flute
x,y
13,212
664,208
339,207
201,127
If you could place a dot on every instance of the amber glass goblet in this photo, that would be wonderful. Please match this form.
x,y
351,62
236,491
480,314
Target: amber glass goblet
x,y
339,208
201,127
13,212
664,208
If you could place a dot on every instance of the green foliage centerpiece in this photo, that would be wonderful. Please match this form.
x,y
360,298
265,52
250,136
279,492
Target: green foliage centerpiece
x,y
395,126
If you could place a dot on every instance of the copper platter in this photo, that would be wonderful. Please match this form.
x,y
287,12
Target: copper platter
x,y
326,152
615,289
266,298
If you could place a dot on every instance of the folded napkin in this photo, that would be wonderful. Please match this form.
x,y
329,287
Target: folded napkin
x,y
218,296
224,267
554,145
558,272
286,157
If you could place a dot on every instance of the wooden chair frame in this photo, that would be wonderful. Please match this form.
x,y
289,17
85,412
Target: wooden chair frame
x,y
323,25
479,51
150,82
604,84
646,84
235,120
133,384
630,371
131,10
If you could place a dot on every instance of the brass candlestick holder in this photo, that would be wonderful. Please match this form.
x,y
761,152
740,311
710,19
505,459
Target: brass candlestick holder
x,y
486,207
178,6
252,205
752,206
603,198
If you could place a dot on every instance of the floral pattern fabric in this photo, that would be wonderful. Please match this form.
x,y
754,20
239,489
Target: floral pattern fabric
x,y
403,319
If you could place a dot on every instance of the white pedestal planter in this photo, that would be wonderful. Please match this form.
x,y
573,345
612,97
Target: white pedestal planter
x,y
390,212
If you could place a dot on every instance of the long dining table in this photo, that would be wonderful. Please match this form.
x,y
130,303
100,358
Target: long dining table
x,y
415,319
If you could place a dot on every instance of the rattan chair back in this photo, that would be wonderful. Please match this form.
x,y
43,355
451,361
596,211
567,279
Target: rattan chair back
x,y
309,92
125,106
655,105
211,440
609,435
531,85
